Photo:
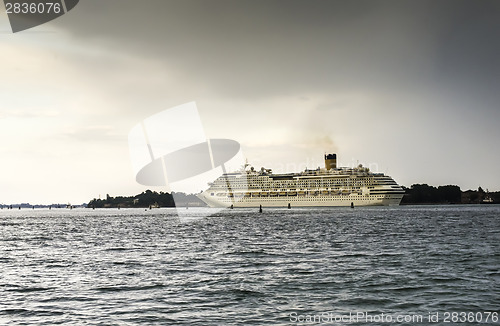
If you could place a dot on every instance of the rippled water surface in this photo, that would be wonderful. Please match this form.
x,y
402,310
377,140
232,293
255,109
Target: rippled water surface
x,y
131,267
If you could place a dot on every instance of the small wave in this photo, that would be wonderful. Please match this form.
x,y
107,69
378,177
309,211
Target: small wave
x,y
29,289
247,293
67,299
128,288
353,255
405,306
118,249
366,301
246,252
15,311
29,313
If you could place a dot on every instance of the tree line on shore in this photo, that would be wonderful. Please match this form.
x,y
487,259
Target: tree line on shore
x,y
450,194
416,194
146,199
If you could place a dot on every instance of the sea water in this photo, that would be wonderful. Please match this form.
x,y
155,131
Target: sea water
x,y
428,265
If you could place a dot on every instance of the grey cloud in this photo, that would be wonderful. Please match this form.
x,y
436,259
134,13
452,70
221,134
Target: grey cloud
x,y
469,51
268,48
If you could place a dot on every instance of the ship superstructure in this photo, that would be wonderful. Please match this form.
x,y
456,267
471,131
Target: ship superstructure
x,y
329,186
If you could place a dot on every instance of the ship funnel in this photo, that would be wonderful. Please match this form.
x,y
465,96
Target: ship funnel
x,y
330,161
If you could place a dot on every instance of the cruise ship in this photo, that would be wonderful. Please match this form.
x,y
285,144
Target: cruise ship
x,y
328,186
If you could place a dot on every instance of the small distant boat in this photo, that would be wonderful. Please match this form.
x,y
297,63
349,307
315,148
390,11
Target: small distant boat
x,y
487,200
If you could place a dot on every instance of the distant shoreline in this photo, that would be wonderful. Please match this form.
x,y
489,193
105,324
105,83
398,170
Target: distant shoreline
x,y
417,194
80,207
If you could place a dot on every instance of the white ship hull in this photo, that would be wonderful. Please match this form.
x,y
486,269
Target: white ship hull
x,y
306,201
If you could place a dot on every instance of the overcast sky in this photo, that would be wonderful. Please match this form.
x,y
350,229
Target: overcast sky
x,y
409,88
